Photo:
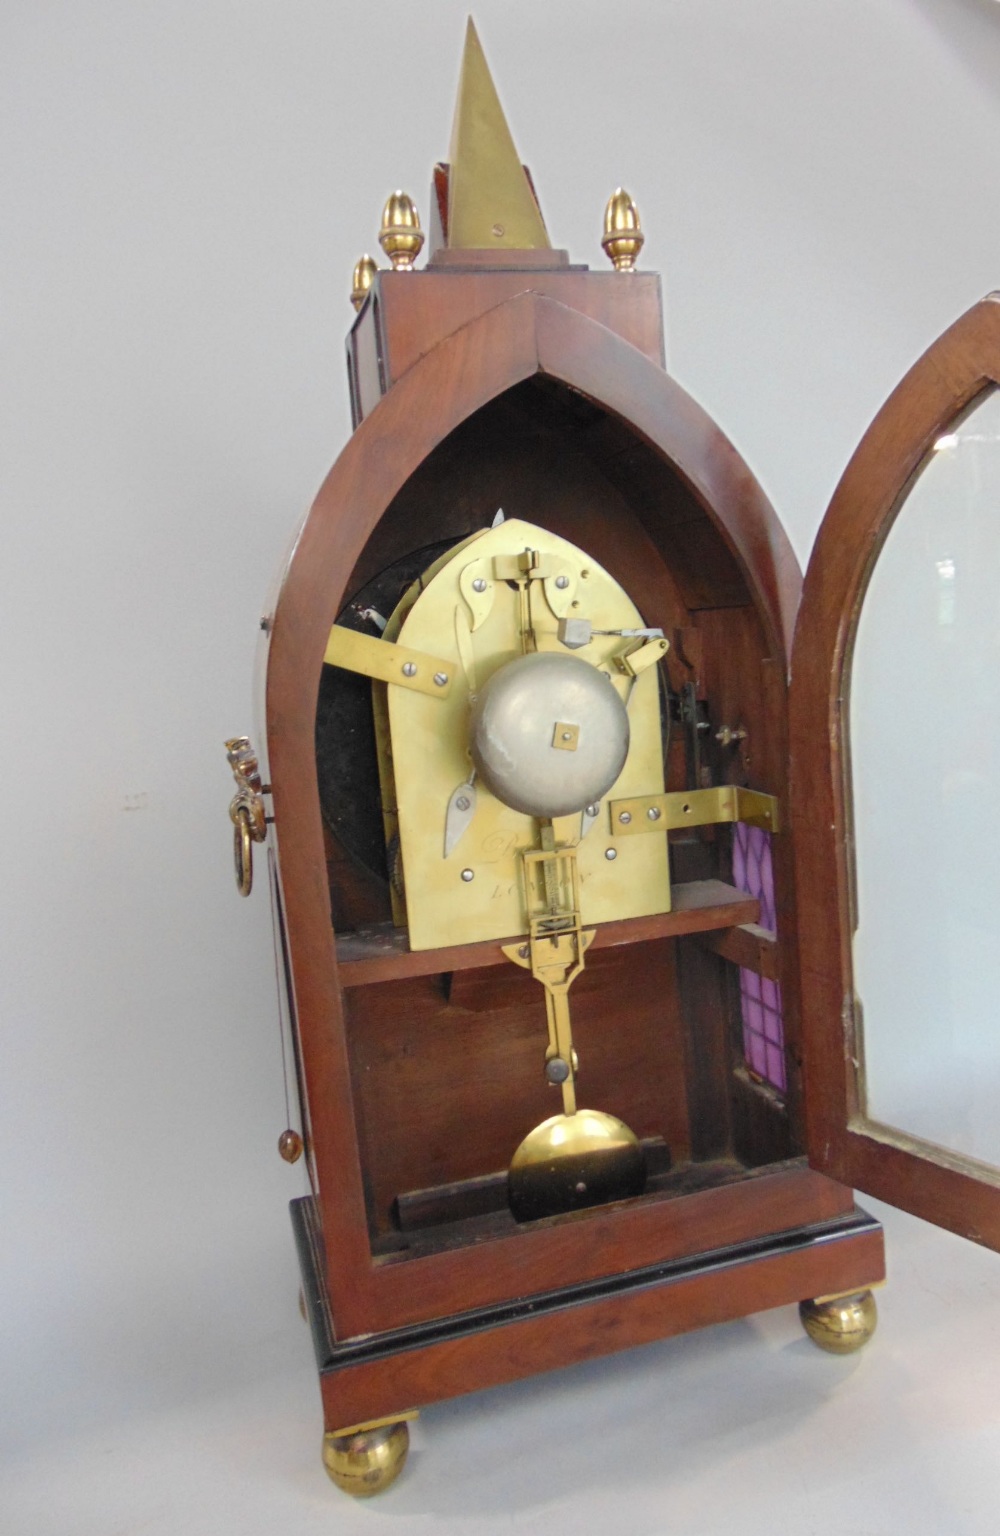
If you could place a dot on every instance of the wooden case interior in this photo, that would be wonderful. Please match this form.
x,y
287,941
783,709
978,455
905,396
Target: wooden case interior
x,y
445,1047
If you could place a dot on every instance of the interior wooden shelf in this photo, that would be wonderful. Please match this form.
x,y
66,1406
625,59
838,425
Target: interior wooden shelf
x,y
383,953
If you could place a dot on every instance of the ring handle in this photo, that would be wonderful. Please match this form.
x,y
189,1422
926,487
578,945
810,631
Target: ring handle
x,y
243,851
246,810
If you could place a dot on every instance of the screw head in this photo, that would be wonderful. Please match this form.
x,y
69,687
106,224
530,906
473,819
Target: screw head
x,y
439,677
654,813
468,874
409,669
479,585
557,1070
592,810
611,854
562,582
625,818
462,803
524,951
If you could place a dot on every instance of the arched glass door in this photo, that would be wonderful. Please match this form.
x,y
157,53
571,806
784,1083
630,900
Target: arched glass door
x,y
924,732
895,772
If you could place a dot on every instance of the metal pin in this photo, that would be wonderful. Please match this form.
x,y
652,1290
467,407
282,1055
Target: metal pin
x,y
611,853
468,874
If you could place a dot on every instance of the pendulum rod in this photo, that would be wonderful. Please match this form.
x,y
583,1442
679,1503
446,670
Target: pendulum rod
x,y
555,949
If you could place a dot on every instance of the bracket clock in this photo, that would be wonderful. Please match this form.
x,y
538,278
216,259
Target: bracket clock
x,y
570,889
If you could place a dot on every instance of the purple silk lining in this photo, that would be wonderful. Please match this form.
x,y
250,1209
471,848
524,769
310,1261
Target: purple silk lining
x,y
763,1028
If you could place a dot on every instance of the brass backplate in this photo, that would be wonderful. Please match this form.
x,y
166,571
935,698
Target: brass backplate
x,y
476,892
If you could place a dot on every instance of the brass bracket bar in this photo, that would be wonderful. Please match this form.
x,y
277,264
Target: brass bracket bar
x,y
389,663
694,808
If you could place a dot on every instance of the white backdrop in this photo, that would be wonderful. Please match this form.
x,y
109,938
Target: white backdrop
x,y
186,186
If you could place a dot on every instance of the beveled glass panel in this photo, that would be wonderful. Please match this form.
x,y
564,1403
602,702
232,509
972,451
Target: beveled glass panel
x,y
925,780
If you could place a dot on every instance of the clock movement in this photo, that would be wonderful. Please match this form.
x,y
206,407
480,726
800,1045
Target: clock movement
x,y
563,873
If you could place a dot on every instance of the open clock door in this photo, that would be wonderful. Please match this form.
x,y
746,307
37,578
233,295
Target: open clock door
x,y
895,790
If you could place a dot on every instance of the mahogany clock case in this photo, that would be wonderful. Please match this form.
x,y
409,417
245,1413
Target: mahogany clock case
x,y
421,1070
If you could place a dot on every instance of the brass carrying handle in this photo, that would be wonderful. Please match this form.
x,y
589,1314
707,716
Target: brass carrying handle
x,y
246,810
243,851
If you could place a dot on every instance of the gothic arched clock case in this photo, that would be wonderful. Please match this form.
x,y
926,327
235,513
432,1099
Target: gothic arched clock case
x,y
551,989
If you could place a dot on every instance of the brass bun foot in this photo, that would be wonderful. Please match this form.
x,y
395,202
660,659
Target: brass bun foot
x,y
840,1324
367,1461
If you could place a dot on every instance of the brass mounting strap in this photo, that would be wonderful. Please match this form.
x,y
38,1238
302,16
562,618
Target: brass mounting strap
x,y
694,808
389,663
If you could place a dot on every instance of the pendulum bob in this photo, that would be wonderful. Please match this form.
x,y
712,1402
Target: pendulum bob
x,y
573,1161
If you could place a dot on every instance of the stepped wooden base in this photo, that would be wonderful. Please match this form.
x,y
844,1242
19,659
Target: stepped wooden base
x,y
377,1376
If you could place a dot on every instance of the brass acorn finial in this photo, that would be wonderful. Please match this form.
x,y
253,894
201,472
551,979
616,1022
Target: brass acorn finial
x,y
623,236
364,276
401,236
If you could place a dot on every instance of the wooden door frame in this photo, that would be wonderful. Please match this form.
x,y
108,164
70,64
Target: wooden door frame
x,y
942,385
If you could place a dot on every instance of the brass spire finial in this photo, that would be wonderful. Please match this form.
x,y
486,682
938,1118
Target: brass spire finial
x,y
490,201
623,236
401,236
364,276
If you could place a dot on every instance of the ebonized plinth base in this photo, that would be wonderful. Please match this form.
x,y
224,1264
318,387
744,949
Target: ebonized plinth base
x,y
379,1375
